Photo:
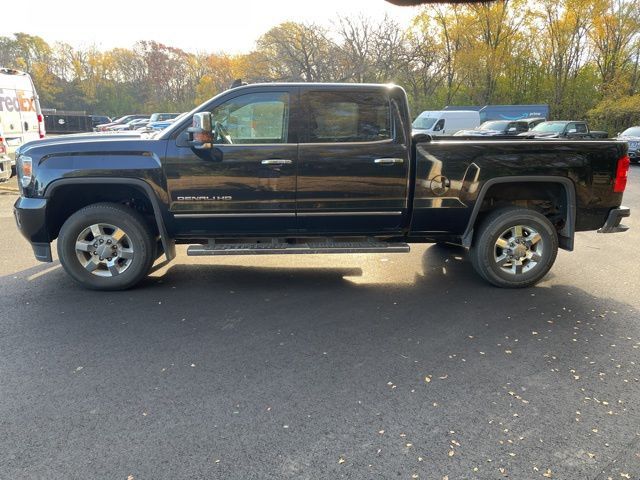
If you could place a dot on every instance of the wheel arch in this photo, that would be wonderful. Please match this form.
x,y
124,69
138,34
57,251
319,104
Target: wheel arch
x,y
132,184
565,234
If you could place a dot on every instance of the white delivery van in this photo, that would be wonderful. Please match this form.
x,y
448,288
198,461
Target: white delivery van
x,y
445,122
21,119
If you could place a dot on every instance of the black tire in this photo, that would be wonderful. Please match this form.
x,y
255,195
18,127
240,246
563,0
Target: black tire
x,y
141,241
484,251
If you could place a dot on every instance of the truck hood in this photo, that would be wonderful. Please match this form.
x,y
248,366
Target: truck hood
x,y
92,144
82,138
479,133
539,135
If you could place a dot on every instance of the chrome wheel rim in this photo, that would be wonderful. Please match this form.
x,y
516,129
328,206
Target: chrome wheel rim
x,y
518,250
104,250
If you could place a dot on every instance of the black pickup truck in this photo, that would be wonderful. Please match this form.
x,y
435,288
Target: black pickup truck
x,y
311,168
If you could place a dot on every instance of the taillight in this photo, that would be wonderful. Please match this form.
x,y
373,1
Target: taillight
x,y
3,148
41,129
622,171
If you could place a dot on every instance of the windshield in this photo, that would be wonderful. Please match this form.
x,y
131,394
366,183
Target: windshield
x,y
631,132
496,125
424,123
549,127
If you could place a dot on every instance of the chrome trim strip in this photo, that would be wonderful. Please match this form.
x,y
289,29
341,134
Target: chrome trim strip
x,y
227,215
344,214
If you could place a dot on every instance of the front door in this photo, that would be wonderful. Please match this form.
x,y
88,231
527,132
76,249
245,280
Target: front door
x,y
354,162
244,184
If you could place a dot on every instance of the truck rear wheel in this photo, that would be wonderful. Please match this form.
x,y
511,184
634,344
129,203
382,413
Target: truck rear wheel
x,y
514,247
106,246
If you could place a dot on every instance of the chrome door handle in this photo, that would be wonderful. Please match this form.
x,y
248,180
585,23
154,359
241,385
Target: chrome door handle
x,y
276,161
388,161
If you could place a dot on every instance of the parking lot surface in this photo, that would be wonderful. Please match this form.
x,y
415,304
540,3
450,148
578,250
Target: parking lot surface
x,y
308,367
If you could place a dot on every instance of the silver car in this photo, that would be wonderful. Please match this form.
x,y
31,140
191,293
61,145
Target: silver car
x,y
632,136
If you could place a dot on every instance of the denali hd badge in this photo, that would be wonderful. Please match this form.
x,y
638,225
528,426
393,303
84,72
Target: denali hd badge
x,y
204,198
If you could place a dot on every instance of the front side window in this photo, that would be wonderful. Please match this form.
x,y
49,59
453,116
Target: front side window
x,y
254,118
335,117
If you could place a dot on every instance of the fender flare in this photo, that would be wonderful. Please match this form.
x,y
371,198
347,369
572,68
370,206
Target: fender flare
x,y
168,244
566,235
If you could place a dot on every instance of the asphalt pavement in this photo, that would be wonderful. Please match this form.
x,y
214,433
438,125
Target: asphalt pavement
x,y
323,367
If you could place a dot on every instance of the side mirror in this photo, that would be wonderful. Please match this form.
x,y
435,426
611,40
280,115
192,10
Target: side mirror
x,y
201,132
421,138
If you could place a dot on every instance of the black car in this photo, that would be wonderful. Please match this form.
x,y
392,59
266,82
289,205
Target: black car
x,y
99,120
494,128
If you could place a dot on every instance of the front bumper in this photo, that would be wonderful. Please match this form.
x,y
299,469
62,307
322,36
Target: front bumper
x,y
612,225
30,215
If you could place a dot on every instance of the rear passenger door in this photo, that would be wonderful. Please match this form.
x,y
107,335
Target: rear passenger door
x,y
353,162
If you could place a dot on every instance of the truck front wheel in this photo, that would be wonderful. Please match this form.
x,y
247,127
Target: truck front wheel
x,y
514,247
106,246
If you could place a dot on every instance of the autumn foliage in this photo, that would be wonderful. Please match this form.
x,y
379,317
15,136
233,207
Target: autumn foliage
x,y
579,56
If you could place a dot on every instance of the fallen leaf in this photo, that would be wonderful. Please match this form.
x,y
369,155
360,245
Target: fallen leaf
x,y
427,379
381,432
547,474
451,453
341,461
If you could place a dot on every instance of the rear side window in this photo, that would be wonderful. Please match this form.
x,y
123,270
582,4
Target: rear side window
x,y
335,117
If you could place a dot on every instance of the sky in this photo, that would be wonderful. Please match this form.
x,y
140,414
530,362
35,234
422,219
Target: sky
x,y
230,26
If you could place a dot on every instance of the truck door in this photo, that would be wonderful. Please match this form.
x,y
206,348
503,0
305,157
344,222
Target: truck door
x,y
245,183
354,162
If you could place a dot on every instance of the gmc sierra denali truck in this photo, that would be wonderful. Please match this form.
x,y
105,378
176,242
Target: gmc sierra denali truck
x,y
311,168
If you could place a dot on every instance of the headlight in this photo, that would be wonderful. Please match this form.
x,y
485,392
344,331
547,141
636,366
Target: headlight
x,y
25,170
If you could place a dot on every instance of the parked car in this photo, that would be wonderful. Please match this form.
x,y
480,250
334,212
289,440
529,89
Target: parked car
x,y
100,120
161,125
235,178
445,122
564,129
120,121
501,127
632,137
162,117
130,125
21,118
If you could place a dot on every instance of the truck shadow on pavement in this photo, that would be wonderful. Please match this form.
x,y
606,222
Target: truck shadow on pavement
x,y
339,355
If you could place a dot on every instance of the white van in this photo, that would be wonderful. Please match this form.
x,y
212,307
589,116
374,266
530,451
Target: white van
x,y
445,122
21,118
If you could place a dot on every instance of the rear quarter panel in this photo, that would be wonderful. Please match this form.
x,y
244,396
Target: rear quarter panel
x,y
450,176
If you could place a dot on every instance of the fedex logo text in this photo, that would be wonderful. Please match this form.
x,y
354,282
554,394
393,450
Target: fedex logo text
x,y
18,103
